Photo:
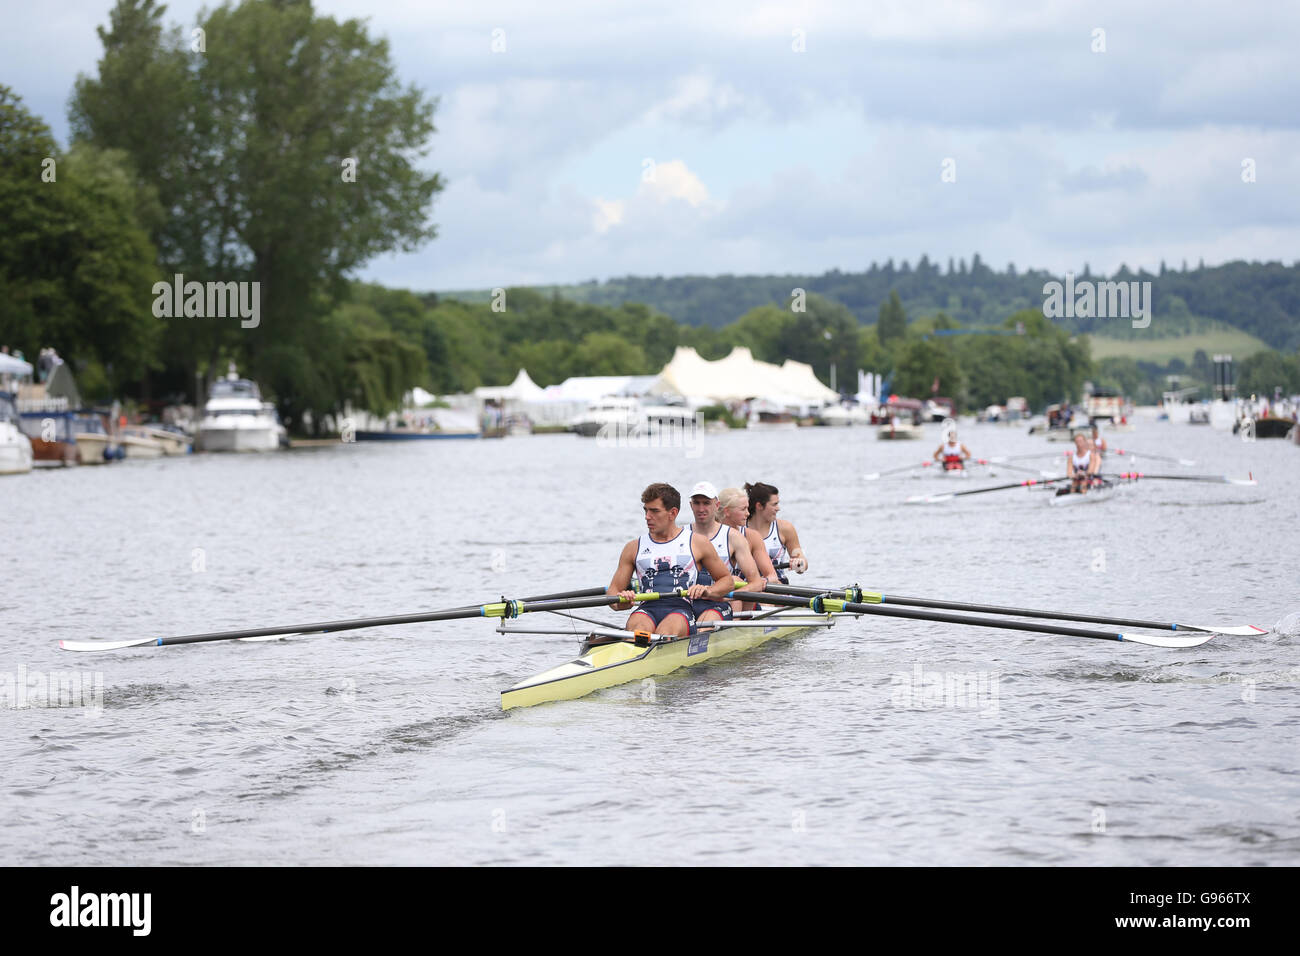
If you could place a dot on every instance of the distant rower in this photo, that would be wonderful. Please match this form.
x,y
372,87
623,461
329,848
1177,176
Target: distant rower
x,y
733,550
666,559
1098,442
779,537
1083,464
952,453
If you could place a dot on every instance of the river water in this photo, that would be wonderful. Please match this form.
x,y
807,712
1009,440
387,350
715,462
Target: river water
x,y
387,746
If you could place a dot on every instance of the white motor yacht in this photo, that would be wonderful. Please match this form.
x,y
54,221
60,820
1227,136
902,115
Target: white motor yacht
x,y
15,447
236,419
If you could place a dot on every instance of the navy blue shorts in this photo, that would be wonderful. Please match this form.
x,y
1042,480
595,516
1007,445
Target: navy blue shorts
x,y
723,607
660,609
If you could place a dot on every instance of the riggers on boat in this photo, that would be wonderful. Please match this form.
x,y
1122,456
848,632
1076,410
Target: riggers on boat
x,y
609,656
1101,491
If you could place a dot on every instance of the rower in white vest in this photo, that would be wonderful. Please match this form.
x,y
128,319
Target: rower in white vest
x,y
952,453
666,559
1083,465
779,536
733,549
1098,442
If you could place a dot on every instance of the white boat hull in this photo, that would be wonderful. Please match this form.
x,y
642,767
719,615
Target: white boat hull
x,y
138,446
250,438
15,451
90,448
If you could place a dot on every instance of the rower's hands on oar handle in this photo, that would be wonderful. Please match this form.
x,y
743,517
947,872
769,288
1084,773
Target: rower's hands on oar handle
x,y
698,592
625,600
798,563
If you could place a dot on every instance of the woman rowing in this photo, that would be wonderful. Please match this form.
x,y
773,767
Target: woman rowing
x,y
734,506
1098,442
779,537
733,547
952,453
1083,465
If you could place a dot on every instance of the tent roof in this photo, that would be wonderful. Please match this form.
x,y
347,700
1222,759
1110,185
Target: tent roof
x,y
522,389
740,376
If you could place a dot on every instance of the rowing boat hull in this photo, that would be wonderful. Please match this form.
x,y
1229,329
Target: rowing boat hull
x,y
622,662
1095,495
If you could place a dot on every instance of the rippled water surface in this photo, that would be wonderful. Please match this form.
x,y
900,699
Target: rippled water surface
x,y
388,745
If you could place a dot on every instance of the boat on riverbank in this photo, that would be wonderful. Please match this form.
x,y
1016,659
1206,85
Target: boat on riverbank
x,y
15,447
236,419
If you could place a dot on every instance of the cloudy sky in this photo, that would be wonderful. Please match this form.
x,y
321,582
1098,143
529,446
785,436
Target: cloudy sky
x,y
668,138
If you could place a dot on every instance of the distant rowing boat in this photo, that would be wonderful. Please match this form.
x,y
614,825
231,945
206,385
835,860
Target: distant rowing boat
x,y
1102,492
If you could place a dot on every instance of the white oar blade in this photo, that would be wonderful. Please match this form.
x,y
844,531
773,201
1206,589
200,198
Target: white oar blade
x,y
1161,640
104,645
871,477
1186,462
1243,630
928,499
1241,481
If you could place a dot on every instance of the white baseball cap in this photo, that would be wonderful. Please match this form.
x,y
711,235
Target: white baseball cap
x,y
705,489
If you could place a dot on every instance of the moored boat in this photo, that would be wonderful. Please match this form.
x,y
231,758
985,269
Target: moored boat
x,y
94,444
137,442
15,447
236,419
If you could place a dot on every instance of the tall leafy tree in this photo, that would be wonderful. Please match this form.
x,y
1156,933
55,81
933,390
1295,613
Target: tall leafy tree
x,y
76,264
294,150
892,323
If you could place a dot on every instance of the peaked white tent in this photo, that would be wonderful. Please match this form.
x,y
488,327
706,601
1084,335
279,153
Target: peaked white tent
x,y
738,377
522,389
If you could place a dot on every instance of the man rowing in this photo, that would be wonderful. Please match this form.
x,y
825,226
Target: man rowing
x,y
1082,466
667,559
779,536
952,453
734,550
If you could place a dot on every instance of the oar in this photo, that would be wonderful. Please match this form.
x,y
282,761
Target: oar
x,y
498,609
1213,479
1185,462
1028,471
584,592
893,471
947,496
856,594
821,605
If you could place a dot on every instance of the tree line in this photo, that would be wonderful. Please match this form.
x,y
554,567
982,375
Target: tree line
x,y
276,147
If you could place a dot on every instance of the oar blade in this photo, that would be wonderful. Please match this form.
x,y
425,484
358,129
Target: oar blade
x,y
104,645
1237,630
1170,640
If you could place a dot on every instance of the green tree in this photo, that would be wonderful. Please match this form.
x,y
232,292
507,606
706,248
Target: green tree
x,y
76,265
1261,373
892,323
299,151
922,363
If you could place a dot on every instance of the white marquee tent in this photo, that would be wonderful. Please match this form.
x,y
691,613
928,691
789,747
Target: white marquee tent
x,y
739,377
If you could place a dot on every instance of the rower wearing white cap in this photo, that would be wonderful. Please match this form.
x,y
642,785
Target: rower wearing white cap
x,y
952,453
732,547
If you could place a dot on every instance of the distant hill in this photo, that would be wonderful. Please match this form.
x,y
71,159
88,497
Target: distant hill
x,y
1262,299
